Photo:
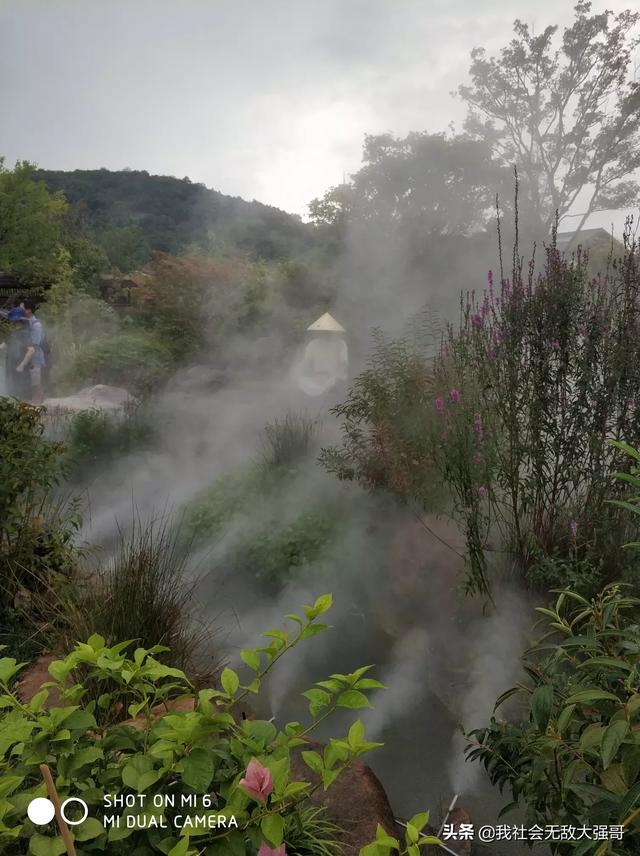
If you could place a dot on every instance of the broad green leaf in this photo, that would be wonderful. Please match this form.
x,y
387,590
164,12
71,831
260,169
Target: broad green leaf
x,y
353,699
565,717
8,668
541,704
230,681
44,845
612,740
251,658
313,761
198,770
419,821
591,695
180,848
89,829
613,780
272,827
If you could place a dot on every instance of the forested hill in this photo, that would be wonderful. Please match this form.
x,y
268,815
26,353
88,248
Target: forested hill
x,y
170,214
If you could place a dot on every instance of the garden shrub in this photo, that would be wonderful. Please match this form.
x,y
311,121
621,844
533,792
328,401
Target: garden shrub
x,y
36,529
279,552
573,759
144,592
287,442
136,360
207,514
514,414
227,768
96,438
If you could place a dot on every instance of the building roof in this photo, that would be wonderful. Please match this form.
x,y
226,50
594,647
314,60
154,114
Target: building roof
x,y
572,239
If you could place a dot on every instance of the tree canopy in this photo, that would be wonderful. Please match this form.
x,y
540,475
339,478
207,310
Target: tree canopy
x,y
567,115
436,184
31,224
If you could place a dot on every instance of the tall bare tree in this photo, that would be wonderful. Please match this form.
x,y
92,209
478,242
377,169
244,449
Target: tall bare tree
x,y
565,111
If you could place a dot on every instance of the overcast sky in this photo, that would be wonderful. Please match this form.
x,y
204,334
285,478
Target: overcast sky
x,y
265,99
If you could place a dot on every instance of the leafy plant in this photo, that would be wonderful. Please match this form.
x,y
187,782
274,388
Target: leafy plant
x,y
514,417
221,769
574,756
137,360
278,552
142,593
287,441
97,438
36,530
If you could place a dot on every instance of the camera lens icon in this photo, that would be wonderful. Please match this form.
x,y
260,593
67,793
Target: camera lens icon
x,y
42,811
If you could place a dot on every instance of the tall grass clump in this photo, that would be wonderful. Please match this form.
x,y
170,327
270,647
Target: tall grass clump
x,y
144,592
287,442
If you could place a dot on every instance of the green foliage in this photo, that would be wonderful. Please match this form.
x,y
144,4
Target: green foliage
x,y
514,417
172,215
519,104
134,359
95,438
143,592
386,441
36,533
279,552
125,247
207,514
429,184
547,373
309,833
203,752
287,442
31,221
573,756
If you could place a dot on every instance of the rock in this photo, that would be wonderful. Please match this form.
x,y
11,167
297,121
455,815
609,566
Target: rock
x,y
356,802
107,399
32,679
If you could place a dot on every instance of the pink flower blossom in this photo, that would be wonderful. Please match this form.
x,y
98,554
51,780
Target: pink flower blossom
x,y
476,321
265,850
482,491
477,457
490,278
455,395
574,528
440,405
477,424
554,344
258,781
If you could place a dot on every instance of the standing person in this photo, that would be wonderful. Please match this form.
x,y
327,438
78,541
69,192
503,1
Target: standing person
x,y
18,342
34,359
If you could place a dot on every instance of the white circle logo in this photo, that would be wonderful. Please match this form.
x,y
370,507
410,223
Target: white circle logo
x,y
80,802
41,811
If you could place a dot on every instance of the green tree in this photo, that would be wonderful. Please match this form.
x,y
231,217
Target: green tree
x,y
125,247
31,222
436,184
567,115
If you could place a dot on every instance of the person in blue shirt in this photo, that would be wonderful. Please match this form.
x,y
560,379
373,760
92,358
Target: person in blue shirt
x,y
34,359
18,341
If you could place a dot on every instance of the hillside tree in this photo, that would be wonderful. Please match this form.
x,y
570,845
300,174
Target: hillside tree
x,y
31,225
565,111
437,184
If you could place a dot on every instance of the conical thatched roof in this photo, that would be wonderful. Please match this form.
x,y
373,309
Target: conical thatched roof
x,y
326,322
